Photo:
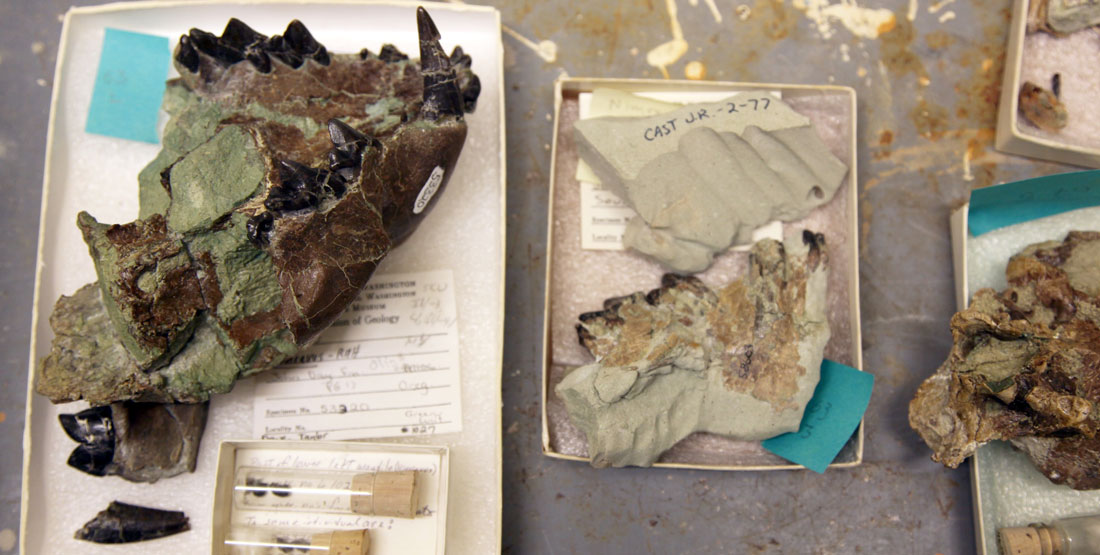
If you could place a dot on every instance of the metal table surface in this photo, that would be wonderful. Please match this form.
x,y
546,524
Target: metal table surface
x,y
927,94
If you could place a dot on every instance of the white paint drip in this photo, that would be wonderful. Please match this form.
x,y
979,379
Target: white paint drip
x,y
967,175
714,11
547,49
743,12
867,23
844,53
664,55
947,16
939,5
912,13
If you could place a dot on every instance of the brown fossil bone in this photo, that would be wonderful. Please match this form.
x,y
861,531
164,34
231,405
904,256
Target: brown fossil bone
x,y
1025,366
286,175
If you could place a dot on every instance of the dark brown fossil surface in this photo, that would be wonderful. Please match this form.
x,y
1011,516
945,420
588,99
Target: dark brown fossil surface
x,y
286,175
1025,366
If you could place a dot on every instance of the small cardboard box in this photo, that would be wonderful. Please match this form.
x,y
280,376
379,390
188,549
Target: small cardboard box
x,y
426,533
833,112
1011,136
56,500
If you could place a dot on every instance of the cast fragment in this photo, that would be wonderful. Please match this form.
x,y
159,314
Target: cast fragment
x,y
704,176
741,361
1025,366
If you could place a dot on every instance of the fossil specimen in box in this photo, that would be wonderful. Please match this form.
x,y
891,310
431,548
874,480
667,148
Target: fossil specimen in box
x,y
1025,366
141,442
126,523
740,361
287,173
1042,107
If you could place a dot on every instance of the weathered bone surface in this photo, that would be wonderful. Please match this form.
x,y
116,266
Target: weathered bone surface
x,y
740,361
1025,366
126,523
704,176
287,173
1042,107
141,442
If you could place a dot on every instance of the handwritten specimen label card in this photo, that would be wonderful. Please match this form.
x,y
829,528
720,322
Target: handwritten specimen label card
x,y
387,367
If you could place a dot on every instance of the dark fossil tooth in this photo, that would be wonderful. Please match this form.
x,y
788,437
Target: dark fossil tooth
x,y
141,442
277,46
441,94
348,146
186,55
239,35
259,59
301,41
90,426
390,54
259,226
94,429
126,523
212,46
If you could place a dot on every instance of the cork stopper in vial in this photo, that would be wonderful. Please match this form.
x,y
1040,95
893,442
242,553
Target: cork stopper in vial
x,y
385,494
343,542
1030,540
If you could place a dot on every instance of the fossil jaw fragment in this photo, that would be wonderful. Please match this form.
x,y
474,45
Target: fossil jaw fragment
x,y
740,361
1025,367
286,175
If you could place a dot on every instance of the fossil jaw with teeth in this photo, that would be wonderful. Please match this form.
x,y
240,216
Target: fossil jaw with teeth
x,y
286,175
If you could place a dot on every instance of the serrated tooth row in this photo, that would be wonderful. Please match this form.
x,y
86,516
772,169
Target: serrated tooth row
x,y
240,42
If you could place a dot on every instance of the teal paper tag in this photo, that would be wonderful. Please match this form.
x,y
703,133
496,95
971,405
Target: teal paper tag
x,y
831,416
129,86
1021,201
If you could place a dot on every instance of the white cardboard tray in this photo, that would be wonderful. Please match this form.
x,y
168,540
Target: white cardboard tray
x,y
741,455
57,500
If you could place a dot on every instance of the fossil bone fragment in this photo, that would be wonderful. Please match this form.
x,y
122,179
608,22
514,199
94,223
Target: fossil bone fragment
x,y
740,361
704,176
1025,366
141,442
1042,107
126,523
286,175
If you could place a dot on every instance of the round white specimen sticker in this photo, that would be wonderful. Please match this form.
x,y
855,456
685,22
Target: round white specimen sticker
x,y
428,191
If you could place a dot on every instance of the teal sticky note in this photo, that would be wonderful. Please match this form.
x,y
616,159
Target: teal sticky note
x,y
831,416
1021,201
129,86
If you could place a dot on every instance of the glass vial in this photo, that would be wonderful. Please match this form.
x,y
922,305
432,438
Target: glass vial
x,y
363,493
263,541
1067,536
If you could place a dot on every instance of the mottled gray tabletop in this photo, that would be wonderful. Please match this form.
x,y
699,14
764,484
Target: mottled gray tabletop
x,y
927,75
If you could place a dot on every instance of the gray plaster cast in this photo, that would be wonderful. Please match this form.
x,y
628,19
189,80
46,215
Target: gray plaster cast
x,y
1068,16
740,361
703,177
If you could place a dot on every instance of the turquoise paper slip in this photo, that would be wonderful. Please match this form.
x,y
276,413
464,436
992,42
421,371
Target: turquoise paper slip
x,y
831,416
1029,199
129,86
